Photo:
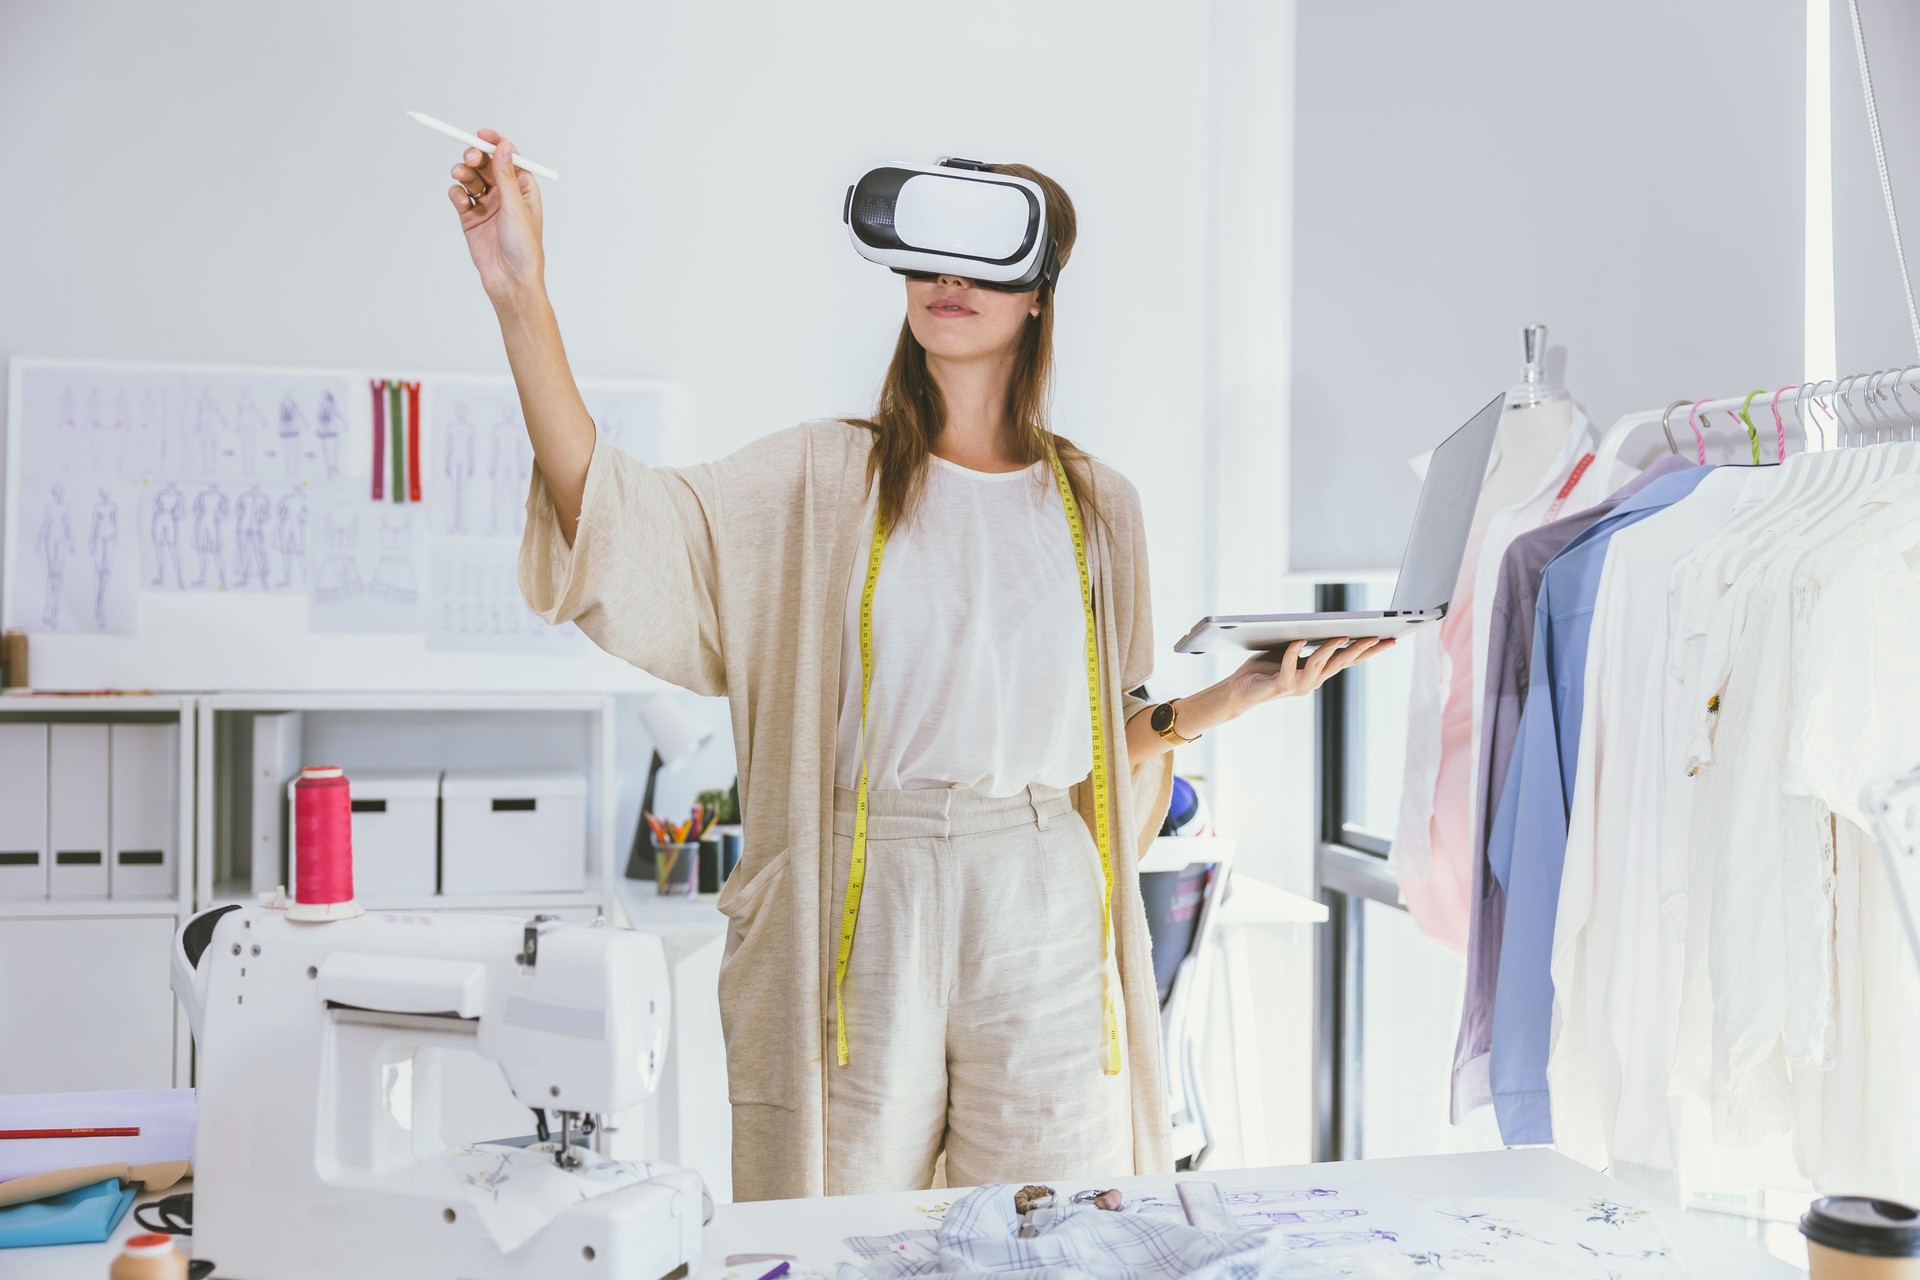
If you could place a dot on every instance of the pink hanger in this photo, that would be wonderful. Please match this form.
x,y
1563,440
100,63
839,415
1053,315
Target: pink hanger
x,y
1779,426
1699,440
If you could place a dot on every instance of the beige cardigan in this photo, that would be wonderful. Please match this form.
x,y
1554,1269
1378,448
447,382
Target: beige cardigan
x,y
731,578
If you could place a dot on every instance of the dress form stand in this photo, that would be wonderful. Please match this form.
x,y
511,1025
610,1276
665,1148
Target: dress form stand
x,y
1533,430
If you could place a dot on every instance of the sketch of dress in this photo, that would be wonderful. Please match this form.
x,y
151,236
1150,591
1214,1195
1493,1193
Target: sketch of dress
x,y
249,426
55,539
96,424
100,542
460,465
393,574
290,536
1277,1195
509,473
330,424
339,574
153,423
208,423
1294,1217
250,512
292,423
209,535
1327,1239
169,507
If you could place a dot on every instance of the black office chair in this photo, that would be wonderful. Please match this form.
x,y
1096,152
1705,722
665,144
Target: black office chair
x,y
1181,905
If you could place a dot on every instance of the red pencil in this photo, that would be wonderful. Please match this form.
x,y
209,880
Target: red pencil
x,y
130,1132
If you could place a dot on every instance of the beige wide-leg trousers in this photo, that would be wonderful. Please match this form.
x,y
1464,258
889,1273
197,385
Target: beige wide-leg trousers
x,y
973,997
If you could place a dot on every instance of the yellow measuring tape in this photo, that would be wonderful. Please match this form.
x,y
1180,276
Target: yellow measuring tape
x,y
857,867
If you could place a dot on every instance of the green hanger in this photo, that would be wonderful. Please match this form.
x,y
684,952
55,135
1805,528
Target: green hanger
x,y
1753,435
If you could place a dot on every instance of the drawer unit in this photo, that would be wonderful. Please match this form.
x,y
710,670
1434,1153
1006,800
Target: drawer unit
x,y
513,833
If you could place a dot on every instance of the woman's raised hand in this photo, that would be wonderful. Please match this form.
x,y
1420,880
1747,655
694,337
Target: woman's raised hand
x,y
501,220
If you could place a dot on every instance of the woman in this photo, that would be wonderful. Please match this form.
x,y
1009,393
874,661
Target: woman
x,y
985,1015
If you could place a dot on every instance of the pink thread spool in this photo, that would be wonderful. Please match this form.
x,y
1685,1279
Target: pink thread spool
x,y
322,846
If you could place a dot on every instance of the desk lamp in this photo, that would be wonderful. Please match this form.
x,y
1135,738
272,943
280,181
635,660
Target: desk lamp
x,y
677,737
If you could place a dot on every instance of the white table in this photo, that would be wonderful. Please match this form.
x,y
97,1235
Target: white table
x,y
812,1230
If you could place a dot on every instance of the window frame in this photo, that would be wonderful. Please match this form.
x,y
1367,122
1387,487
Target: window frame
x,y
1350,869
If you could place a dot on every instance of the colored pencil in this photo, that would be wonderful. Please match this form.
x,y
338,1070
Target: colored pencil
x,y
117,1132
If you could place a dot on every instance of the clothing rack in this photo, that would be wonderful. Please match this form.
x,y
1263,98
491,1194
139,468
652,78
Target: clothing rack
x,y
1852,405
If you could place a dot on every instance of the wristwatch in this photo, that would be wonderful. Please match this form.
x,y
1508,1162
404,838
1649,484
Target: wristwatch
x,y
1163,716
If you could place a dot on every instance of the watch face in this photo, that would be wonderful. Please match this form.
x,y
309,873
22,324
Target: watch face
x,y
1162,717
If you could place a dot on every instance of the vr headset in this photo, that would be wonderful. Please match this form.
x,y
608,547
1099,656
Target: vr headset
x,y
954,218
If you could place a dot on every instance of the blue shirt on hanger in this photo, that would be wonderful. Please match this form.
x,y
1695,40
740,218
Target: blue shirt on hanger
x,y
1527,846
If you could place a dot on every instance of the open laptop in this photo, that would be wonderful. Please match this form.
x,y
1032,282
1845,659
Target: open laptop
x,y
1442,522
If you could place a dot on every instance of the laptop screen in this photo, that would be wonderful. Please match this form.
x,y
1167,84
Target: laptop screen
x,y
1443,520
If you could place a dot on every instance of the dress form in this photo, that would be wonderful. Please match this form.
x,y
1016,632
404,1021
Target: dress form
x,y
1533,429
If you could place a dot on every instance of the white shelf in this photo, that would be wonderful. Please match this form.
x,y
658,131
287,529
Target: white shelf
x,y
682,916
82,908
231,896
408,701
1176,853
12,703
554,712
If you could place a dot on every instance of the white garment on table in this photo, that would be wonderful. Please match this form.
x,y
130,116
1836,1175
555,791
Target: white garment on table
x,y
1434,681
979,643
1617,955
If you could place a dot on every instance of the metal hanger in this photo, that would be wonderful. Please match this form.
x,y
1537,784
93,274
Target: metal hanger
x,y
1913,423
1800,416
1666,428
1850,428
1877,395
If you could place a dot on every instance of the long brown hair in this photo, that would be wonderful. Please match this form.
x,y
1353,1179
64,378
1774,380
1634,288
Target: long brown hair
x,y
910,413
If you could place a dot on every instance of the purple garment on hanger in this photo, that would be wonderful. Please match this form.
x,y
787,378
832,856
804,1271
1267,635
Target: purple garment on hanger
x,y
1509,642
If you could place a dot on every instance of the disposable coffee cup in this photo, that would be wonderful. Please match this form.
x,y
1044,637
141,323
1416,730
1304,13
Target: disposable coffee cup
x,y
1861,1238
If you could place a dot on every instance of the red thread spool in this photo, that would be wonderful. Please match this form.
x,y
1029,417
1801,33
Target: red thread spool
x,y
322,846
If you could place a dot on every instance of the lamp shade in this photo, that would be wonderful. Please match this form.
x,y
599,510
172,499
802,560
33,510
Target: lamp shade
x,y
675,732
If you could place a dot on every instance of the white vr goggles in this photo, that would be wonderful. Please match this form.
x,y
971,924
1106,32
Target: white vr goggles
x,y
954,218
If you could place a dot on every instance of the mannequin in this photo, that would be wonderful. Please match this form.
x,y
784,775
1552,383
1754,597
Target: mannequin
x,y
1533,430
1537,472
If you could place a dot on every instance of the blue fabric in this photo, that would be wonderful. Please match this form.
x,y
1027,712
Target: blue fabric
x,y
86,1215
1527,847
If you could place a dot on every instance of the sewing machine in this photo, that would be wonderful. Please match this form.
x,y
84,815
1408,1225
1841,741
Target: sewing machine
x,y
319,1151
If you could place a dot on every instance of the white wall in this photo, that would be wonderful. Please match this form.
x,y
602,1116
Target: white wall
x,y
1872,329
1629,173
236,182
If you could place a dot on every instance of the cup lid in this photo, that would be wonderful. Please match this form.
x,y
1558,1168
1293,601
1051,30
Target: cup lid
x,y
1863,1225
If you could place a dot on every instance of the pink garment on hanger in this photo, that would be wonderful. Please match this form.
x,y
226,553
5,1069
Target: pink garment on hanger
x,y
1439,903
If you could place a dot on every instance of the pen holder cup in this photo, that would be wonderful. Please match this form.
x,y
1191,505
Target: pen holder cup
x,y
676,869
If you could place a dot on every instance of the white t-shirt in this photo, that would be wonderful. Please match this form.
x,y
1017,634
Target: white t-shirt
x,y
979,642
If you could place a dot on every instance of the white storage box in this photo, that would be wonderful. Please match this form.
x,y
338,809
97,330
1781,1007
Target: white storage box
x,y
506,833
395,826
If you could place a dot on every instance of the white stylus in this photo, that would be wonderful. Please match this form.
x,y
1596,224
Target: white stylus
x,y
441,126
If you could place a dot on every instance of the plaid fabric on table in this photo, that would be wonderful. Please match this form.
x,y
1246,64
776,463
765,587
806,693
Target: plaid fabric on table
x,y
980,1237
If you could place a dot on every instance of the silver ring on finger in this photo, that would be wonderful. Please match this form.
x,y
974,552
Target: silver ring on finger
x,y
473,201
